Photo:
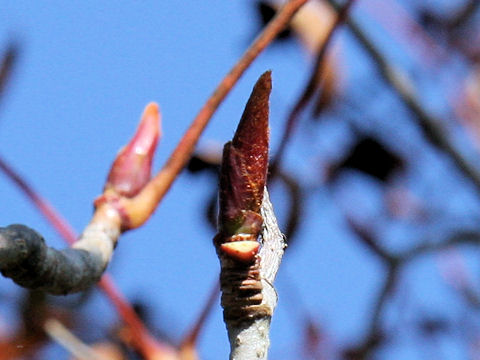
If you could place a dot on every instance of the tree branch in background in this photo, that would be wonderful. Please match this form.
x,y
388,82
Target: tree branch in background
x,y
462,16
6,66
398,80
314,83
247,272
187,348
58,332
395,261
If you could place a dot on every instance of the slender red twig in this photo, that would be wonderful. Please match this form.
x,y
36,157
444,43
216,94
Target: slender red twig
x,y
143,339
153,193
7,64
46,209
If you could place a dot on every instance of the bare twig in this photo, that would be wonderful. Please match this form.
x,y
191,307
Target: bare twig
x,y
374,335
370,241
405,28
461,237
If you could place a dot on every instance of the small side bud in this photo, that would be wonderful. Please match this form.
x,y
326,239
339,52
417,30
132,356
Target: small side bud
x,y
131,170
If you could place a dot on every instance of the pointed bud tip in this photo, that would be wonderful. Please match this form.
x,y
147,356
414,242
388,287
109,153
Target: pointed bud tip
x,y
263,86
266,79
253,125
152,109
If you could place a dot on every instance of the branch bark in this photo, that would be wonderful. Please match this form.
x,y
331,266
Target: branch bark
x,y
250,339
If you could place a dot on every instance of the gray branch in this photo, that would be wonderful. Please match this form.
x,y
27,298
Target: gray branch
x,y
29,262
251,340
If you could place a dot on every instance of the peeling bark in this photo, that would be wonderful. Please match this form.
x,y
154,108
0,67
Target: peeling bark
x,y
249,339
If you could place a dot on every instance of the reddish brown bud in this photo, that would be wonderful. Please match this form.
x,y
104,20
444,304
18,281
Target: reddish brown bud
x,y
245,162
131,169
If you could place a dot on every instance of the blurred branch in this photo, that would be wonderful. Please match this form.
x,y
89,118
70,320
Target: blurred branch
x,y
314,82
402,85
296,206
58,332
405,28
375,334
189,342
369,241
387,288
142,339
461,237
463,15
6,66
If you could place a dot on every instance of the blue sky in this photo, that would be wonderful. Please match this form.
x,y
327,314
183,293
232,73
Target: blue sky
x,y
85,72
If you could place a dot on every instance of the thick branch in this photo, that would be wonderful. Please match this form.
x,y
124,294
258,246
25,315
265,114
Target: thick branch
x,y
29,262
141,338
